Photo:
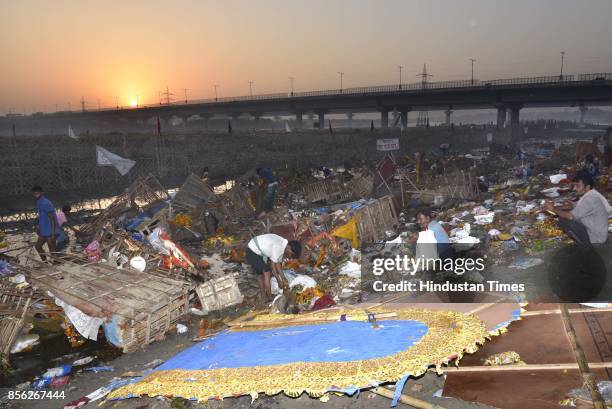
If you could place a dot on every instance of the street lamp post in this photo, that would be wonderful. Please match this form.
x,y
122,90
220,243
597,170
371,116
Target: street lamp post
x,y
216,96
472,60
341,75
562,61
291,84
400,76
251,89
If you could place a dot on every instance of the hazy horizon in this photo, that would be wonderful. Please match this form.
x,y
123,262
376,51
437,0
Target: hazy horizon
x,y
56,52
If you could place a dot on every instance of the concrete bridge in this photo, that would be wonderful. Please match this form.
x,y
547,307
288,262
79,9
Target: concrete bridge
x,y
508,96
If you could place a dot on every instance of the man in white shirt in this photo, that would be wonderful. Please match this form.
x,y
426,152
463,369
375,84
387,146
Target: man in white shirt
x,y
587,222
265,254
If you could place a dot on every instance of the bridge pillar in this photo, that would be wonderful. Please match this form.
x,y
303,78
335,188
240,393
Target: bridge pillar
x,y
501,116
298,120
448,113
514,117
349,117
234,120
404,118
384,119
256,116
206,118
321,115
583,109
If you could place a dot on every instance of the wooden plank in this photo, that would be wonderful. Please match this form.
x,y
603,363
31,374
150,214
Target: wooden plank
x,y
526,368
570,310
105,293
587,375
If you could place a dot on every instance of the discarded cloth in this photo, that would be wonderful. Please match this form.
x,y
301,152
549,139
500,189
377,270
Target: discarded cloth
x,y
87,326
348,231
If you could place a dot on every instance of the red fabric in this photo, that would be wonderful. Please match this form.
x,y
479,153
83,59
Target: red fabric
x,y
386,168
77,403
325,301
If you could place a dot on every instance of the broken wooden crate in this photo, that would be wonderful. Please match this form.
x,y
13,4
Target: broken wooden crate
x,y
193,194
375,218
196,198
143,305
335,189
143,193
14,304
219,293
239,198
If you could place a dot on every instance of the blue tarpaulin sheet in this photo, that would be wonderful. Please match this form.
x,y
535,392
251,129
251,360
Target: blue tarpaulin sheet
x,y
330,342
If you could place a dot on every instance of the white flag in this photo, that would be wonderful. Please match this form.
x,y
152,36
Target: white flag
x,y
71,132
107,158
287,127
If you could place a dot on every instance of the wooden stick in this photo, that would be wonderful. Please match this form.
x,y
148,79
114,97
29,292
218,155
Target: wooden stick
x,y
585,371
408,400
480,308
305,320
18,248
528,367
571,311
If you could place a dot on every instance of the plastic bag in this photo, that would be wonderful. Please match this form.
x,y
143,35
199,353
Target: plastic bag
x,y
23,342
57,372
93,251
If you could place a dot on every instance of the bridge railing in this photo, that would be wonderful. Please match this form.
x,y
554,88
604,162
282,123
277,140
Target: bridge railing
x,y
397,88
420,86
602,76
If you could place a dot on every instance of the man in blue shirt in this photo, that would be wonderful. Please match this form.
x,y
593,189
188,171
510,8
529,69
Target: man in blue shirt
x,y
48,227
272,186
425,221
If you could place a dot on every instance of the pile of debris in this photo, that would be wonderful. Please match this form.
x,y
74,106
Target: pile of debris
x,y
151,258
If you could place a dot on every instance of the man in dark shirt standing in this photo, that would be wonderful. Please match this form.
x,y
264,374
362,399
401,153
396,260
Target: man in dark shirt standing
x,y
47,223
272,186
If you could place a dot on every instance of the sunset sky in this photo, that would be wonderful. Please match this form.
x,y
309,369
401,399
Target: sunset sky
x,y
54,52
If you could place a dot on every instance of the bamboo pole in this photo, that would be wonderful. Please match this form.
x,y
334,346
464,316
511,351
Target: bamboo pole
x,y
571,311
528,367
585,371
